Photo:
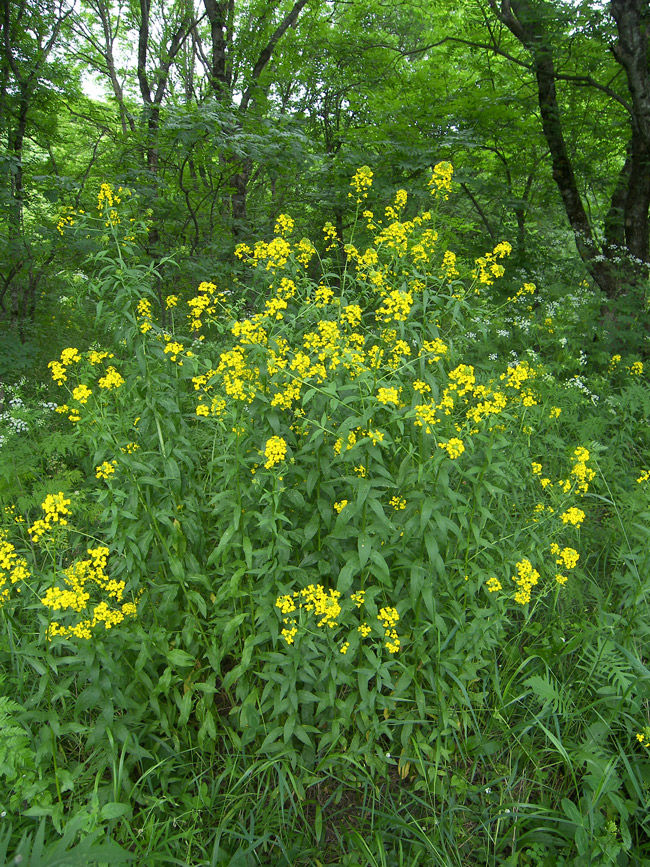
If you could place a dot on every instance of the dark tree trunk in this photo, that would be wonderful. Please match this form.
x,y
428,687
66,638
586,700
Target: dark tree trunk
x,y
627,229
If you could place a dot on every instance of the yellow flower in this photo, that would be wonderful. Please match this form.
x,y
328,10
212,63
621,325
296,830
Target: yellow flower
x,y
388,395
58,372
68,356
488,269
448,270
388,617
284,225
362,181
340,506
395,306
398,503
573,516
644,737
493,585
440,182
111,380
614,362
275,451
454,447
81,393
525,579
568,558
105,470
286,604
289,634
173,348
358,598
330,236
13,569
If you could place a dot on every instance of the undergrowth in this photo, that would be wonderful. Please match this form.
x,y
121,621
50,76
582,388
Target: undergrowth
x,y
358,578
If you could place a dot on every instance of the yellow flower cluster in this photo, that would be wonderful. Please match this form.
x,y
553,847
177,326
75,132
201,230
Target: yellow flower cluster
x,y
13,516
284,225
275,451
488,268
448,269
388,396
105,470
331,237
566,557
643,737
361,181
145,315
493,585
13,569
338,507
526,579
395,306
392,212
581,473
66,218
323,296
58,368
526,289
78,580
398,503
326,608
388,617
111,380
107,198
56,509
173,348
324,605
440,182
433,349
204,304
573,516
96,357
454,447
304,250
81,393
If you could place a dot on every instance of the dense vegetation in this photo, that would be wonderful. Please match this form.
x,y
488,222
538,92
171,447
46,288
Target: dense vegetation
x,y
324,457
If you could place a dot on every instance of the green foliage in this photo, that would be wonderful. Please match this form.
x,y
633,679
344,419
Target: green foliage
x,y
359,577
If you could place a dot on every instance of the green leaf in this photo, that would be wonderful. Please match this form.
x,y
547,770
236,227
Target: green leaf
x,y
180,658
